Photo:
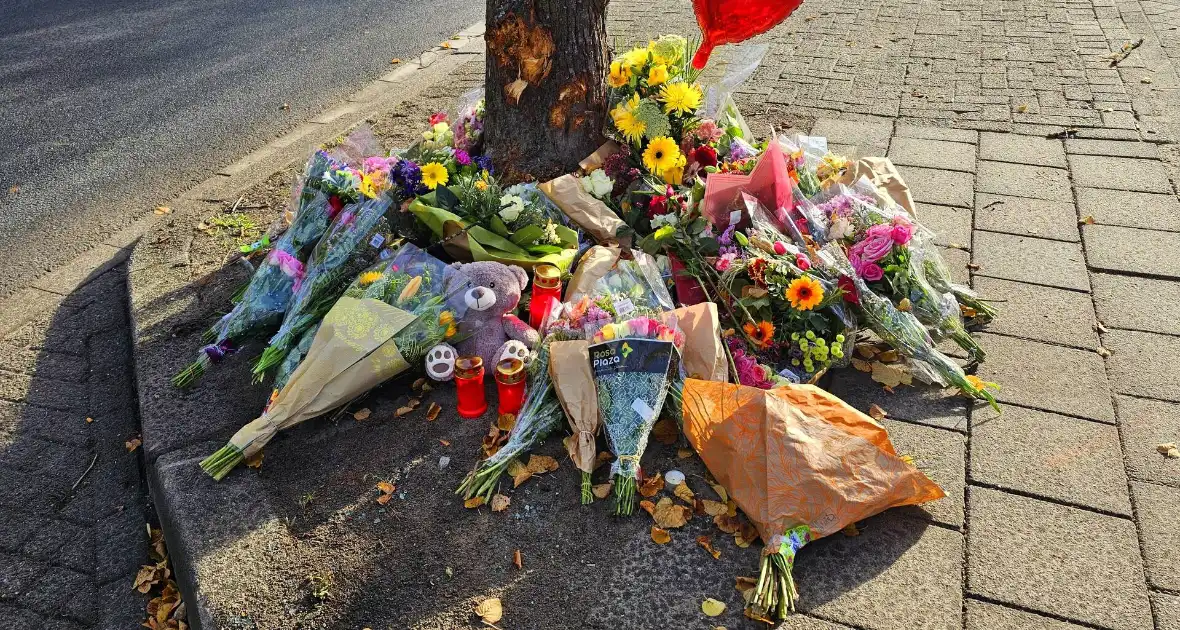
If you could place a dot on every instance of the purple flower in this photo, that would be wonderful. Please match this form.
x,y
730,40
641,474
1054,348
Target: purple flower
x,y
484,163
740,149
407,176
462,157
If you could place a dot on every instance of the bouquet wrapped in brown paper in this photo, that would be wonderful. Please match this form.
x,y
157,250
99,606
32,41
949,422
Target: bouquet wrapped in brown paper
x,y
802,464
591,214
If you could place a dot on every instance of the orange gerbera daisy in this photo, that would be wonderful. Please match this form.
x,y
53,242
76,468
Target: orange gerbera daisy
x,y
761,333
805,293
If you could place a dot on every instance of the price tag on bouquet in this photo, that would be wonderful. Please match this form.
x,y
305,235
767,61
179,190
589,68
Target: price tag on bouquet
x,y
377,240
623,306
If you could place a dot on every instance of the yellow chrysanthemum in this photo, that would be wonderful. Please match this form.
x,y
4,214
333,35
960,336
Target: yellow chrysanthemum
x,y
434,175
446,317
481,184
684,98
661,154
369,277
657,75
619,76
805,293
625,121
635,58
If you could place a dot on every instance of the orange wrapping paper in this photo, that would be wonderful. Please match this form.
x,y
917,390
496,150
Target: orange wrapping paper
x,y
797,455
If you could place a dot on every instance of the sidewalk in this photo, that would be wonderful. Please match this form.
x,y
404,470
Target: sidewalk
x,y
1060,514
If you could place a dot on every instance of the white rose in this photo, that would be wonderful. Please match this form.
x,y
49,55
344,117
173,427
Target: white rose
x,y
510,207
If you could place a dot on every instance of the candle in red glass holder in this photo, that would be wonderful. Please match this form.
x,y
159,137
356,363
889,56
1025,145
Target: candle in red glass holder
x,y
510,375
546,289
469,386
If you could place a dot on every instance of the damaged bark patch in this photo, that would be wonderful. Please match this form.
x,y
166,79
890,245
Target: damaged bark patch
x,y
571,95
515,43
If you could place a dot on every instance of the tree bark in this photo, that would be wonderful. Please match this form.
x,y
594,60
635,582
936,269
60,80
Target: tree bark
x,y
546,98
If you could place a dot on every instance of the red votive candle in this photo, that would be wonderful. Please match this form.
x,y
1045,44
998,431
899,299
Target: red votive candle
x,y
469,386
510,385
546,290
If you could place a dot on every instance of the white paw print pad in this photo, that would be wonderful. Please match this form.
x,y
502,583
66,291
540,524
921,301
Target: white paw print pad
x,y
513,349
440,362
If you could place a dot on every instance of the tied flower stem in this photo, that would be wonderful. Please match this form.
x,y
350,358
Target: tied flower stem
x,y
220,463
624,492
193,371
587,494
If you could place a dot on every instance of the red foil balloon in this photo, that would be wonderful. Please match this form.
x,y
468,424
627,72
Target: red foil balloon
x,y
733,21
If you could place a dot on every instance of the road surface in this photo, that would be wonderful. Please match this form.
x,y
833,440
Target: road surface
x,y
110,107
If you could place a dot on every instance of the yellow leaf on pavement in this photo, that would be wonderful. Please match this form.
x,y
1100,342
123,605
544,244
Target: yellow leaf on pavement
x,y
133,444
851,530
665,432
669,515
539,464
660,536
652,486
490,610
684,493
601,490
707,543
712,607
473,502
714,508
891,376
506,421
877,413
363,414
500,503
432,412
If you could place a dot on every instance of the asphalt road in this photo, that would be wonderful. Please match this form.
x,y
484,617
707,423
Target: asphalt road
x,y
111,107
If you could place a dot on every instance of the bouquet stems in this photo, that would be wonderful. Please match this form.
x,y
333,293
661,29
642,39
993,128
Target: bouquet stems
x,y
221,462
192,372
624,494
587,493
775,594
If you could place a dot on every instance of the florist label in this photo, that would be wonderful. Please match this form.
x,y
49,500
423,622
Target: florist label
x,y
630,355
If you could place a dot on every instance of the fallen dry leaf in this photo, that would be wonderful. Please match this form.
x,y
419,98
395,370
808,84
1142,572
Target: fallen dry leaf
x,y
891,376
714,508
255,460
444,442
1169,450
721,491
726,523
403,411
712,607
162,210
520,473
506,421
1087,220
363,414
707,544
133,444
745,585
517,559
601,490
877,413
418,384
1102,352
1022,108
89,420
909,459
684,453
13,189
500,503
432,412
889,356
490,610
866,350
647,506
862,365
395,61
540,464
905,305
684,493
665,432
445,44
851,530
745,534
669,515
602,458
473,502
660,536
652,486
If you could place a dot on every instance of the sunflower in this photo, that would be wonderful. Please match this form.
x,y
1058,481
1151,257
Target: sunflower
x,y
369,277
684,98
662,153
657,75
805,293
620,74
761,333
434,174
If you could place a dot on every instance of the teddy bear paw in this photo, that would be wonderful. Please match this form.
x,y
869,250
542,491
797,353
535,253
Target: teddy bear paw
x,y
513,349
440,362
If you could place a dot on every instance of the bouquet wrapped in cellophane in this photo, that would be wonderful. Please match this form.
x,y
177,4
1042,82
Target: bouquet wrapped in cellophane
x,y
384,324
353,241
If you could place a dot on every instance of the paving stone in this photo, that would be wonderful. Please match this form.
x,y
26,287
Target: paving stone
x,y
17,529
122,607
942,456
922,404
956,261
1048,455
1110,248
17,575
1092,171
61,592
1047,377
1137,364
50,424
120,545
1113,148
985,616
1144,424
1158,512
1033,150
951,156
1055,559
904,130
1137,303
1130,209
17,619
872,580
1040,313
950,225
863,135
42,392
947,188
1022,180
1167,610
1027,259
46,543
1027,217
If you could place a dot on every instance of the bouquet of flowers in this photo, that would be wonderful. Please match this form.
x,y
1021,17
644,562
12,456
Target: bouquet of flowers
x,y
539,417
632,362
352,243
383,325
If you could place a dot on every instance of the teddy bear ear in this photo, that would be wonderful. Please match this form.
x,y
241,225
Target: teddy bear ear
x,y
521,275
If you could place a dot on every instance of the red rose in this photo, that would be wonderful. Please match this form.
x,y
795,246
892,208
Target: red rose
x,y
657,206
705,155
849,287
437,118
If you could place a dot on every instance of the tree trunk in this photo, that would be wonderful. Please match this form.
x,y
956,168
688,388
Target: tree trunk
x,y
546,98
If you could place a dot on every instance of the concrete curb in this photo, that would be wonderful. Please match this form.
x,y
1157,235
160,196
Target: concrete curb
x,y
171,469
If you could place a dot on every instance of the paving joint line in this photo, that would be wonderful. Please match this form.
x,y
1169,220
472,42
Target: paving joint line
x,y
1047,499
1040,613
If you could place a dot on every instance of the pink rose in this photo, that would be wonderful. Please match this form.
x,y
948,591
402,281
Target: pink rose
x,y
289,265
802,262
902,231
876,244
780,248
871,272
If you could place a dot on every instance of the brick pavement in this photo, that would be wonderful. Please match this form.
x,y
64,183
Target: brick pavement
x,y
73,504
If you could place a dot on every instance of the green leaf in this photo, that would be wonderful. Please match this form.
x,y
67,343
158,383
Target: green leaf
x,y
542,250
446,199
497,225
527,234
